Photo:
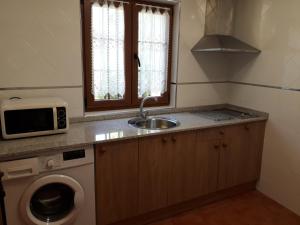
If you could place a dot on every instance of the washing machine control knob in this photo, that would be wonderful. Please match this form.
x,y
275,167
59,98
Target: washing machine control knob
x,y
50,164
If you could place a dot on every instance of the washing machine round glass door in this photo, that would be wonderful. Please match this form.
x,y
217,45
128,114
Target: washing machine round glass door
x,y
52,200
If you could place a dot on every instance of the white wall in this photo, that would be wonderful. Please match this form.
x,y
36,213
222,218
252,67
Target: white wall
x,y
198,76
40,54
273,26
40,50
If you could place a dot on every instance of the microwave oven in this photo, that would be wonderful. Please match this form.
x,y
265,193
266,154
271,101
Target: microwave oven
x,y
33,117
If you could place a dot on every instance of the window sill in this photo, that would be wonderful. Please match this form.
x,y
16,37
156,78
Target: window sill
x,y
123,113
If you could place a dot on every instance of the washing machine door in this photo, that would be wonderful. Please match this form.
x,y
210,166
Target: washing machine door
x,y
52,200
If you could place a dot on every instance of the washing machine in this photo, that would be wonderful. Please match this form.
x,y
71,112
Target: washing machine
x,y
56,189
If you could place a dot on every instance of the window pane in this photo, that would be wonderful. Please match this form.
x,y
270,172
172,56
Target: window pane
x,y
153,45
108,69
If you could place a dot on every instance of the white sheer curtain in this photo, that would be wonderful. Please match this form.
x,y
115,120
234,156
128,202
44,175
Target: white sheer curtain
x,y
108,69
153,45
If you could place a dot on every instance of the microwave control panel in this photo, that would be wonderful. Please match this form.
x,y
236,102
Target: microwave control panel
x,y
61,117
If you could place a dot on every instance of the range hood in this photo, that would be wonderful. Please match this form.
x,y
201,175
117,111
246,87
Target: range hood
x,y
224,44
219,26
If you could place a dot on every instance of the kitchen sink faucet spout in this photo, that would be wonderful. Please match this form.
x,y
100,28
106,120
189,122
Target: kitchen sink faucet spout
x,y
143,113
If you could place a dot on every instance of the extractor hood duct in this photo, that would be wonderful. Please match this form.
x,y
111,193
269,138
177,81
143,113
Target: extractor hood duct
x,y
219,20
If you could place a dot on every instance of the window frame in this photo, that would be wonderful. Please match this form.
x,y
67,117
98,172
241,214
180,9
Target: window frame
x,y
131,99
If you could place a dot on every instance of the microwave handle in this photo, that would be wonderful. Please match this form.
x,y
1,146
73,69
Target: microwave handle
x,y
2,202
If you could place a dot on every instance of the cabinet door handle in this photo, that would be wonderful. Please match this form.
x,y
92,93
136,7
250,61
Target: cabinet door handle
x,y
164,140
103,150
174,139
224,145
247,128
221,132
216,147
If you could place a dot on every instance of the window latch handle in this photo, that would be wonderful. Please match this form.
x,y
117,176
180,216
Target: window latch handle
x,y
136,57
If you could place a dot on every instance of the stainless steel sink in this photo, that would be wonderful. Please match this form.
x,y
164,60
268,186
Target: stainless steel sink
x,y
154,123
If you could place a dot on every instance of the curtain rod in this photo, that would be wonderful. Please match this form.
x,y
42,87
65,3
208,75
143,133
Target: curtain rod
x,y
140,4
102,1
156,7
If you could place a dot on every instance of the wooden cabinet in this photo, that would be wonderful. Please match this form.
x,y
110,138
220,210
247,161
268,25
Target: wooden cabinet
x,y
208,145
240,154
153,172
170,170
1,219
116,181
148,174
176,168
194,167
183,177
2,205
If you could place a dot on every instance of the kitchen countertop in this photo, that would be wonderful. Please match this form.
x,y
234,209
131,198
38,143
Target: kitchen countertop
x,y
94,132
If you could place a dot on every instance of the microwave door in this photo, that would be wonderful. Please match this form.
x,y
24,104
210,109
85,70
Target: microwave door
x,y
29,120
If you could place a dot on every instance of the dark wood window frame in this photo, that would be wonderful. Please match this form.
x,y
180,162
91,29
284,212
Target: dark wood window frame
x,y
131,99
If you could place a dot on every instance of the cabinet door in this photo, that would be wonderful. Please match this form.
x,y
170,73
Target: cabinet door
x,y
184,168
153,172
2,205
116,181
193,166
240,157
208,154
1,222
254,142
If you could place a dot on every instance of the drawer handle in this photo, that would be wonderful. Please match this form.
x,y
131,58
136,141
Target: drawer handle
x,y
221,133
224,145
174,139
247,128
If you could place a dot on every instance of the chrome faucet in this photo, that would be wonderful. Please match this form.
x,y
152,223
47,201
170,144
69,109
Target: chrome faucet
x,y
143,113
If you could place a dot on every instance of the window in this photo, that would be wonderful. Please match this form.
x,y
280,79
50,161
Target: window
x,y
127,53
